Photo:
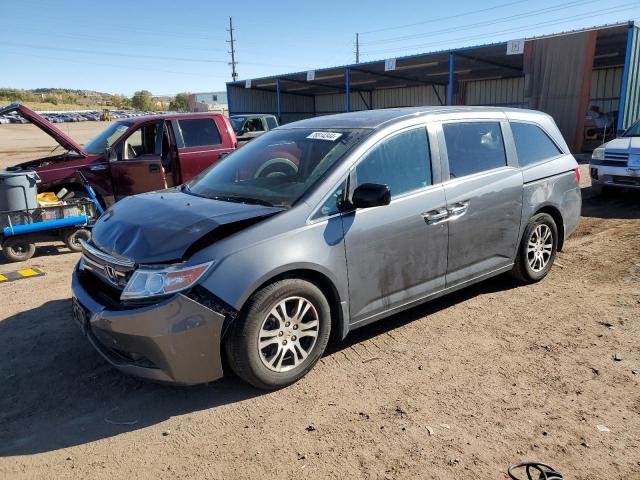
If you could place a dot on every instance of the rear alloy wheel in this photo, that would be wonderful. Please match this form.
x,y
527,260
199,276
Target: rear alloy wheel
x,y
280,335
537,249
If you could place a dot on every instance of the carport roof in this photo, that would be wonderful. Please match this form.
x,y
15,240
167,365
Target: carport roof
x,y
481,62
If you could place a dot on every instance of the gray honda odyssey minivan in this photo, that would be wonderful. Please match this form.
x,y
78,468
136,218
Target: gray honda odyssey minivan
x,y
317,228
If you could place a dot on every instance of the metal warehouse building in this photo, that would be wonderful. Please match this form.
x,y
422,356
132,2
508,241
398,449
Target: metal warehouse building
x,y
563,74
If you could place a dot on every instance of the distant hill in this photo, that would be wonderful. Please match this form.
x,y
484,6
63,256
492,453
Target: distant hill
x,y
63,96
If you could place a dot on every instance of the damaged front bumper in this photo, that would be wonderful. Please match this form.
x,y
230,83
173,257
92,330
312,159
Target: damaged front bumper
x,y
176,340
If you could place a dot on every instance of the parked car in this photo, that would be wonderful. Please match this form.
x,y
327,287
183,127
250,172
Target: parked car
x,y
248,127
322,226
616,164
134,155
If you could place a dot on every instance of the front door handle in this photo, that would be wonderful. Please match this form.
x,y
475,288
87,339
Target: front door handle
x,y
458,209
154,168
96,168
435,216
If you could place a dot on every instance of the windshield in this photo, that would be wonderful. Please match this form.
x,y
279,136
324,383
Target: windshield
x,y
276,168
237,123
106,138
634,131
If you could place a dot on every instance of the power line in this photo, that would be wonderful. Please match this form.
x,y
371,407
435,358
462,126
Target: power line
x,y
472,12
508,18
102,64
620,8
139,56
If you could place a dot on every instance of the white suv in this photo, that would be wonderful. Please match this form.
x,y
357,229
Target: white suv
x,y
617,163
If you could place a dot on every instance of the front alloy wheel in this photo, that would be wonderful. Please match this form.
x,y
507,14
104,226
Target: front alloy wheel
x,y
280,334
288,334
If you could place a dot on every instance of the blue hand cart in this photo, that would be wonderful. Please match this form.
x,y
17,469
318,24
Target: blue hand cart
x,y
70,222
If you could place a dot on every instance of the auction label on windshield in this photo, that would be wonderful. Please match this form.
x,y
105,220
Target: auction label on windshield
x,y
330,136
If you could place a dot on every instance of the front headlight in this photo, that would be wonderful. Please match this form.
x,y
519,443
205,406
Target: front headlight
x,y
598,154
154,282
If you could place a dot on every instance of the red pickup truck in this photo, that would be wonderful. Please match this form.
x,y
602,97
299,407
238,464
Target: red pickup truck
x,y
132,155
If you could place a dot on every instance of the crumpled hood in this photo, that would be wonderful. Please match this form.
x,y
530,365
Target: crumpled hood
x,y
624,144
160,227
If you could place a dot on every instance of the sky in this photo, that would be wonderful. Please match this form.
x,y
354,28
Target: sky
x,y
170,46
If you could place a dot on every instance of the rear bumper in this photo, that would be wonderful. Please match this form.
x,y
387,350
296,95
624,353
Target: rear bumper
x,y
622,177
174,341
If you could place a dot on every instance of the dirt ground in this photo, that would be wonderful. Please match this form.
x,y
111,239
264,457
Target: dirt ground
x,y
459,388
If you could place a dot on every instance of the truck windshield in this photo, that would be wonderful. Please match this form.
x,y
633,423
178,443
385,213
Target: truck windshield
x,y
107,138
277,168
634,131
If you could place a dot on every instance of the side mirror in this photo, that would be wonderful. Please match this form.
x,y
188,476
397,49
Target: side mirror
x,y
370,195
111,155
620,132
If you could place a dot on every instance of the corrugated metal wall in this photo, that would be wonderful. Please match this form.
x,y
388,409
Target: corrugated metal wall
x,y
249,100
605,89
504,92
382,98
632,97
408,96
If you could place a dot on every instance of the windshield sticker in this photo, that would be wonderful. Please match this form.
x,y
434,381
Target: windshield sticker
x,y
329,136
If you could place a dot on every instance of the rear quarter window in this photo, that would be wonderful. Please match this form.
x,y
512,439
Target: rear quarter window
x,y
532,144
271,123
199,132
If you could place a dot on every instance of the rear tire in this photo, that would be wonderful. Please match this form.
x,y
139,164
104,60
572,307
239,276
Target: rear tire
x,y
537,250
72,239
280,334
17,249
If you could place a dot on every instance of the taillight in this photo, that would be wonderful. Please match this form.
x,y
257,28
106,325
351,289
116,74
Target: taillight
x,y
577,172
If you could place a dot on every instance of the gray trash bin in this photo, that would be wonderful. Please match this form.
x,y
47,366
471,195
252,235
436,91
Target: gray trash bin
x,y
18,190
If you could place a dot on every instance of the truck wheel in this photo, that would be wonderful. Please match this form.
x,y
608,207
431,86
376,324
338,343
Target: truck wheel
x,y
280,335
72,239
17,249
537,249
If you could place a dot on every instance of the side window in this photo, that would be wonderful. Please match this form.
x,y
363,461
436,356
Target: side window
x,y
473,147
141,142
199,132
271,123
532,144
402,162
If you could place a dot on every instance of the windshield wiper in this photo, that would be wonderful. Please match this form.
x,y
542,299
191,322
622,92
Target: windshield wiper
x,y
233,198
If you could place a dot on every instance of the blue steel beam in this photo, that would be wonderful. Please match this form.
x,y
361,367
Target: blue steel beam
x,y
347,79
450,87
279,109
625,77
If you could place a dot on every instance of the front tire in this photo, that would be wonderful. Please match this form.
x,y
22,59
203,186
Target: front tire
x,y
280,335
537,249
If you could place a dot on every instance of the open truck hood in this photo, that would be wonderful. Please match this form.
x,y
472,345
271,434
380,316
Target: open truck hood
x,y
43,124
168,226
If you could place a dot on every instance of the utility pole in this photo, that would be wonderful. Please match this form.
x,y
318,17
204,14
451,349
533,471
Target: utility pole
x,y
234,74
357,48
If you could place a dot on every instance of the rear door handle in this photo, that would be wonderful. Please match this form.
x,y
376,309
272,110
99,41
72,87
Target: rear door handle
x,y
435,216
458,209
153,168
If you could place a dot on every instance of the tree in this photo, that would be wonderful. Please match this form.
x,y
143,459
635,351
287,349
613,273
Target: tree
x,y
180,103
142,100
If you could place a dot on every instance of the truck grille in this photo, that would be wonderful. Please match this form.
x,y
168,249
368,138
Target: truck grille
x,y
111,270
616,156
